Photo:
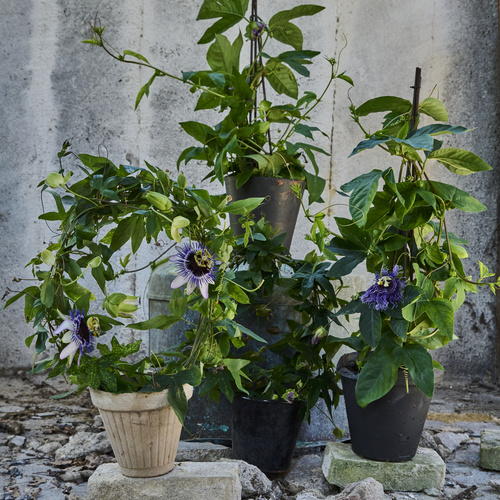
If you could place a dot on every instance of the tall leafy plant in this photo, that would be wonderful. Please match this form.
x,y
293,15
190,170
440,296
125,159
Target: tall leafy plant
x,y
398,228
253,136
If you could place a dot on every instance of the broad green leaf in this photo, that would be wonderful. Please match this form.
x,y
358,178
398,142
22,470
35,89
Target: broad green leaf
x,y
299,11
230,12
399,327
419,364
434,108
459,161
315,186
281,78
123,233
224,57
47,291
440,311
178,303
135,54
237,293
460,199
364,188
377,377
370,325
199,131
384,103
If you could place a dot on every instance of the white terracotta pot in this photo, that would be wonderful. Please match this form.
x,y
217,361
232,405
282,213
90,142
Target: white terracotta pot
x,y
143,430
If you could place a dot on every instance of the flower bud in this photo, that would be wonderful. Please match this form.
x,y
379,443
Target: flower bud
x,y
318,334
182,181
178,223
159,201
119,304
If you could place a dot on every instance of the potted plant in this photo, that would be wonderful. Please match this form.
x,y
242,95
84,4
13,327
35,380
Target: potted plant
x,y
289,305
111,209
254,137
399,230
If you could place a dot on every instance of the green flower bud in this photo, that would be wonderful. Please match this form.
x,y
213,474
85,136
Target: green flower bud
x,y
182,181
159,201
178,223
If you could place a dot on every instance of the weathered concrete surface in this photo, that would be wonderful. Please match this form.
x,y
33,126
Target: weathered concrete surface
x,y
489,456
342,466
33,427
186,481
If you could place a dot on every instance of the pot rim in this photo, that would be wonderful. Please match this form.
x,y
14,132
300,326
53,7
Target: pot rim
x,y
133,401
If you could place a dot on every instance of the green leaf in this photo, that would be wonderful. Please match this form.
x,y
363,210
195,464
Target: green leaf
x,y
377,377
459,161
419,364
460,199
384,103
122,233
235,366
281,78
160,322
177,399
315,186
224,57
136,55
440,311
230,12
199,131
47,291
364,189
370,325
399,327
242,207
178,303
237,293
434,108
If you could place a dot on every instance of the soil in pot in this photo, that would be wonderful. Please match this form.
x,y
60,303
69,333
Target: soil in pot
x,y
265,432
388,429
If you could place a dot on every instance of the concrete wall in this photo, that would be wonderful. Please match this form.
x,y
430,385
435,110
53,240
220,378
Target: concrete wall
x,y
55,88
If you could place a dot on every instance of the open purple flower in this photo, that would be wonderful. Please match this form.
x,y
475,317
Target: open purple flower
x,y
387,291
80,334
195,268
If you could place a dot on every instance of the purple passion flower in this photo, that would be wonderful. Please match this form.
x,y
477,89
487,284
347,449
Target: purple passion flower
x,y
195,268
387,291
80,335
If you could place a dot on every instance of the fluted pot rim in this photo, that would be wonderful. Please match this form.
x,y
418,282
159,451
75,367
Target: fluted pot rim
x,y
133,401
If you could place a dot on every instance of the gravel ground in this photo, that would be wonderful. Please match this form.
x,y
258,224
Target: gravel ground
x,y
38,460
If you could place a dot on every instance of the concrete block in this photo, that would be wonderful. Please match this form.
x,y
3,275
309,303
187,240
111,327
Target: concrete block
x,y
198,451
489,454
342,466
187,481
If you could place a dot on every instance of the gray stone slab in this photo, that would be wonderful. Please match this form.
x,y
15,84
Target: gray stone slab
x,y
187,481
199,451
342,466
489,455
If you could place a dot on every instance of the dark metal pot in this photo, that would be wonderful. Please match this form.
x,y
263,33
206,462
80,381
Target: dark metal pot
x,y
388,429
280,208
265,432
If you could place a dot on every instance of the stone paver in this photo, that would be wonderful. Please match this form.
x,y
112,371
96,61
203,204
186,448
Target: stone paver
x,y
187,481
342,466
489,455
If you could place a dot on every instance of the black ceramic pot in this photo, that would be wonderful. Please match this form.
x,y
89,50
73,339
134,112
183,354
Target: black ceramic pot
x,y
265,432
280,208
388,429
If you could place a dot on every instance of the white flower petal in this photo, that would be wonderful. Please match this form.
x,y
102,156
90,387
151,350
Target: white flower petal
x,y
204,289
69,350
179,281
190,287
65,325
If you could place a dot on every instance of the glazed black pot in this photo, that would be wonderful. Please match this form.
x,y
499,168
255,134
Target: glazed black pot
x,y
265,432
280,208
388,429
